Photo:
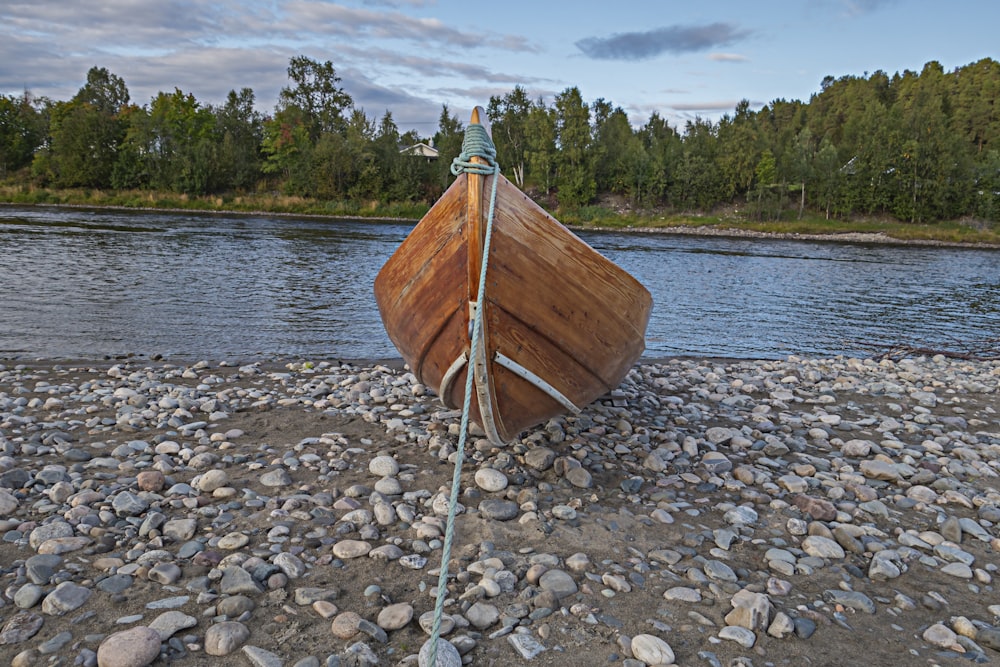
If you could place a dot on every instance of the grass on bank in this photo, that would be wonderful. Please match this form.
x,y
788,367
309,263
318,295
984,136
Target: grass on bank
x,y
589,216
974,232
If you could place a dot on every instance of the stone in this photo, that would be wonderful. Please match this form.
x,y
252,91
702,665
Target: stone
x,y
941,636
135,647
489,479
291,565
276,478
482,615
682,594
8,503
237,581
348,549
539,458
526,646
558,582
150,480
740,635
28,595
750,610
65,598
817,508
445,655
345,625
850,599
62,545
49,531
580,478
499,510
259,657
652,650
233,541
180,530
822,547
781,627
225,637
170,622
383,466
20,627
395,616
211,480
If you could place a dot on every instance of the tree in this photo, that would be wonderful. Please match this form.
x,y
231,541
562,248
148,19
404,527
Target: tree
x,y
87,132
664,147
179,144
614,154
22,131
240,128
540,147
288,150
574,166
104,91
697,183
448,142
509,118
800,168
738,150
316,93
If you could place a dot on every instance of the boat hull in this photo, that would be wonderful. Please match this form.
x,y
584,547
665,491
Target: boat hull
x,y
562,325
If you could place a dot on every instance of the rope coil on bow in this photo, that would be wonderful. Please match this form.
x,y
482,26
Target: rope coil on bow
x,y
477,143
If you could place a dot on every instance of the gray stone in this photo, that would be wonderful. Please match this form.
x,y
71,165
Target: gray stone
x,y
525,645
226,637
558,582
135,647
66,597
850,599
276,478
236,581
258,657
499,510
445,655
20,627
651,650
170,622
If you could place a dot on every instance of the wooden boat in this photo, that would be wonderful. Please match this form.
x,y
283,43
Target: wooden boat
x,y
561,325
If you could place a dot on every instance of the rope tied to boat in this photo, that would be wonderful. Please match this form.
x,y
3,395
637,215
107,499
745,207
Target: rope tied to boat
x,y
477,143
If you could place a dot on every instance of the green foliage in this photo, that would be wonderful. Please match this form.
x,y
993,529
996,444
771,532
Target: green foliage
x,y
914,147
575,177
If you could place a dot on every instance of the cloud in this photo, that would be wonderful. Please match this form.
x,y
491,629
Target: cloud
x,y
727,57
670,39
860,7
717,105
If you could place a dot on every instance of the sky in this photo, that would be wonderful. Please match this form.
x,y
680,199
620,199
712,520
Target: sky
x,y
682,60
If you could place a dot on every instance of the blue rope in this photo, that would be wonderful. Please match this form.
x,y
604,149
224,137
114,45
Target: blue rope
x,y
477,143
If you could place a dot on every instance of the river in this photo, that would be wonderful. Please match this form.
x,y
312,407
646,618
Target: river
x,y
81,283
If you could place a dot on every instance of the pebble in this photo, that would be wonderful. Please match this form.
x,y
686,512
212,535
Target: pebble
x,y
135,647
651,650
444,654
225,637
775,489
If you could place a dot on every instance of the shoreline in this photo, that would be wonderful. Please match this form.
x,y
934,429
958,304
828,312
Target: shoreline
x,y
682,230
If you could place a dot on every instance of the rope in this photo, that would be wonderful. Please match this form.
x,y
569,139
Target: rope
x,y
477,143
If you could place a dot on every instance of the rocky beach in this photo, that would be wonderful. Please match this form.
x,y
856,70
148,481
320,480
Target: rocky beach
x,y
708,512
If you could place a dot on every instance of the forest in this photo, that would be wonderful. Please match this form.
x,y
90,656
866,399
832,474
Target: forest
x,y
914,147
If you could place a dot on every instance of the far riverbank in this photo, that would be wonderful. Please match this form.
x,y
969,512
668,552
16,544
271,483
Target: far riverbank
x,y
976,234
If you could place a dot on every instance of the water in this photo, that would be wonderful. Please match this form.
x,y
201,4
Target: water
x,y
81,283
